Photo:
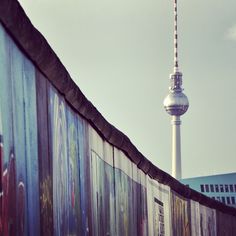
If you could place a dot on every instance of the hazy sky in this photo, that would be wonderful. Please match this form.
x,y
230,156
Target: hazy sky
x,y
120,53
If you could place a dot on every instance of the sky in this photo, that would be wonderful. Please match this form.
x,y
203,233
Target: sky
x,y
120,54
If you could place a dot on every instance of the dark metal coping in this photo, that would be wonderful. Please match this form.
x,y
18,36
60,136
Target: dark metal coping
x,y
36,47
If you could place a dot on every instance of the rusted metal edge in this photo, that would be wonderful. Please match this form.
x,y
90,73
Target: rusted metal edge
x,y
36,47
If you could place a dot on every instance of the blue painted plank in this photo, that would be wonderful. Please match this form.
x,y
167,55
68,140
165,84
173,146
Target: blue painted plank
x,y
74,168
31,144
58,125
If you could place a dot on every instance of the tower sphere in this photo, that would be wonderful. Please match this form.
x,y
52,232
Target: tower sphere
x,y
176,103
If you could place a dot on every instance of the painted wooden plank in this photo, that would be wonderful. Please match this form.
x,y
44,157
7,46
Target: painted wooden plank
x,y
95,142
109,197
58,126
139,203
44,159
98,193
74,185
8,160
85,196
123,182
31,144
142,202
6,94
94,193
135,197
19,151
207,221
158,208
226,224
109,189
121,193
195,220
180,215
122,162
102,185
108,151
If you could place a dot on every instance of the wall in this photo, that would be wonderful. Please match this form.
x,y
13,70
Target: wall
x,y
59,176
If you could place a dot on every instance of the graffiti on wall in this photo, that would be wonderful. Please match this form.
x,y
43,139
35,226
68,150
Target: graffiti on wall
x,y
46,203
12,218
181,224
109,200
66,157
103,196
122,191
74,180
60,165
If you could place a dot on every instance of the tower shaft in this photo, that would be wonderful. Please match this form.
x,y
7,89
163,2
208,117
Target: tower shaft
x,y
176,148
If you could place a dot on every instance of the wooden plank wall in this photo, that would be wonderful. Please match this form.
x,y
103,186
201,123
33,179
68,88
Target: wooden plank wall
x,y
60,177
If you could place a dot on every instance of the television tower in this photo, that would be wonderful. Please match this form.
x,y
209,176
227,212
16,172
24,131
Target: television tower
x,y
176,104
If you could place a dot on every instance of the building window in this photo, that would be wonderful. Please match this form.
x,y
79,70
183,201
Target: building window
x,y
214,198
222,188
235,188
202,188
228,200
207,188
218,198
226,188
217,188
231,189
233,200
223,199
212,187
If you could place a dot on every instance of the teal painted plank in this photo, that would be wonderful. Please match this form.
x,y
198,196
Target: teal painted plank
x,y
19,150
31,144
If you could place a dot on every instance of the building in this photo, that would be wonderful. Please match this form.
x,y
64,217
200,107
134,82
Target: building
x,y
219,187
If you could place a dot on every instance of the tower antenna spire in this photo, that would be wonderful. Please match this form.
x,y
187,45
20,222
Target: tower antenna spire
x,y
176,62
176,104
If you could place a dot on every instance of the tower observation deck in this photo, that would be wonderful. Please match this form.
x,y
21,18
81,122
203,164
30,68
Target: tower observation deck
x,y
176,104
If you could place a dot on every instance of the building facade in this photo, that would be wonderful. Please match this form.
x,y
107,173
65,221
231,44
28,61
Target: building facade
x,y
219,187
